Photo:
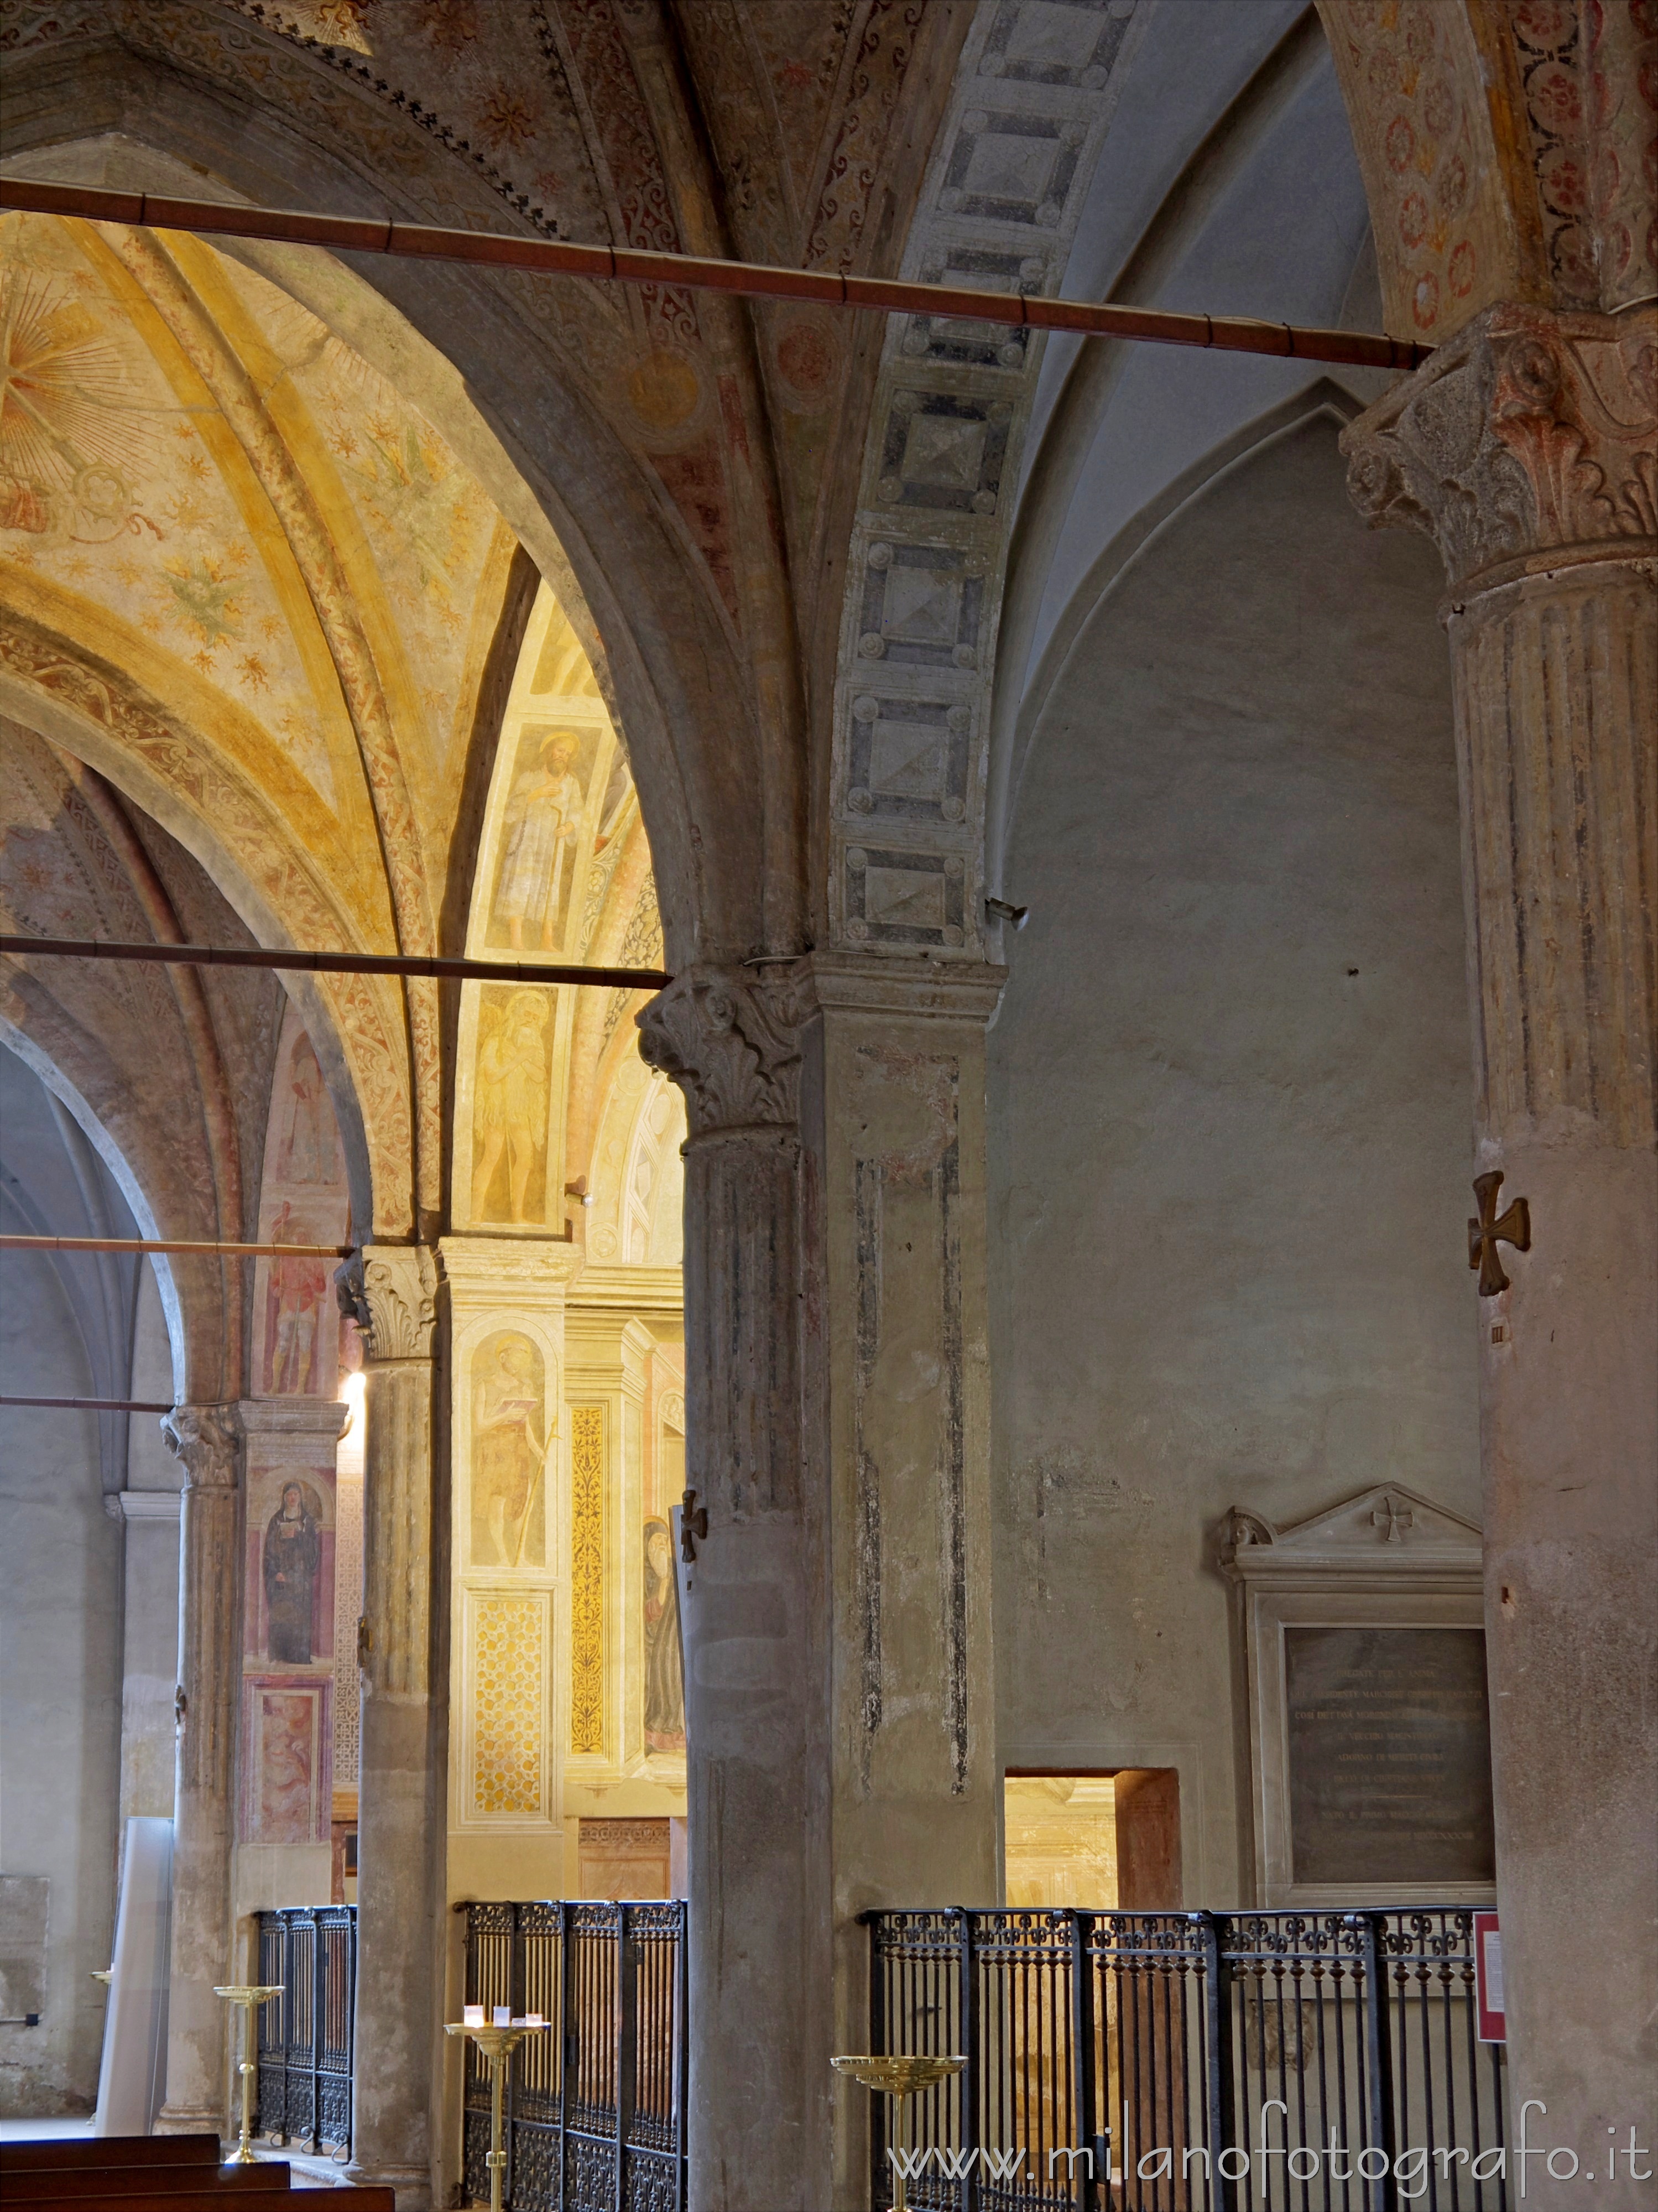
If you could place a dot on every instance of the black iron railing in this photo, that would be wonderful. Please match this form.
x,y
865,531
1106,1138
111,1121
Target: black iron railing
x,y
595,2109
305,2037
1189,2062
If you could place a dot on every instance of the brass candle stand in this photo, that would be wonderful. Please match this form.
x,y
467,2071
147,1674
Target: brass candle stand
x,y
497,2045
248,1996
900,2078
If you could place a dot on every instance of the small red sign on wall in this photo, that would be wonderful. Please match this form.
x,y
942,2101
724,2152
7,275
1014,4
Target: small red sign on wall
x,y
1488,1978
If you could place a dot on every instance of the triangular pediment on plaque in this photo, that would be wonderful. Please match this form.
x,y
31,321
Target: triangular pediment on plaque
x,y
1388,1528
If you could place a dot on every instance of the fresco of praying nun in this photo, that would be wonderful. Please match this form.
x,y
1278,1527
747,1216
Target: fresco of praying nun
x,y
665,1681
293,1555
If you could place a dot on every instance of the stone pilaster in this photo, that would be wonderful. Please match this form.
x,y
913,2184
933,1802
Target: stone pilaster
x,y
839,1706
283,1438
1526,448
208,1441
391,1293
507,1299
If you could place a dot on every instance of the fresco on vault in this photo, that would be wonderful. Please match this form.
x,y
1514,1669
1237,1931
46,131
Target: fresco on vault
x,y
541,833
303,1200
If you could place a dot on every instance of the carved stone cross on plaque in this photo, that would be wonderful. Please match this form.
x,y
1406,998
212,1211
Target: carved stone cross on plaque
x,y
1513,1226
1389,1515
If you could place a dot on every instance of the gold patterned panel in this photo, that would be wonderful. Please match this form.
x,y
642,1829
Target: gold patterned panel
x,y
587,1578
508,1667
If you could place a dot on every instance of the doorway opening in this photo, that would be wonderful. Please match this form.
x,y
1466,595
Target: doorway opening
x,y
1104,1842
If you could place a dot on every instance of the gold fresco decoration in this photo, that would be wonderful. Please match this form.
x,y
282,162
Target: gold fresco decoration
x,y
587,1578
510,1091
512,1444
508,1663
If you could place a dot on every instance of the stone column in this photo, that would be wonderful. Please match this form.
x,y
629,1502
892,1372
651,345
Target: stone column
x,y
839,1697
208,1440
1525,447
391,1292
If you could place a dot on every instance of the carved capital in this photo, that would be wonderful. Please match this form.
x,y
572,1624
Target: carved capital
x,y
207,1439
1528,438
731,1042
390,1290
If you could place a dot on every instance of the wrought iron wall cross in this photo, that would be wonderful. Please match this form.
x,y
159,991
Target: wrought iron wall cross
x,y
693,1526
1512,1226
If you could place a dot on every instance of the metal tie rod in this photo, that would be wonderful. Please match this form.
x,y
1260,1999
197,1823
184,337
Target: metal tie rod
x,y
623,264
333,964
95,1405
211,1246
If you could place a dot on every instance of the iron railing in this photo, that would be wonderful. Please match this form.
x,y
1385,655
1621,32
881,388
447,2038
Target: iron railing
x,y
1188,2062
595,2109
305,2036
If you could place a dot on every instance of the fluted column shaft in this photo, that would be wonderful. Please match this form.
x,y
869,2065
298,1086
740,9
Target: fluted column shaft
x,y
1526,447
392,1292
208,1440
838,1691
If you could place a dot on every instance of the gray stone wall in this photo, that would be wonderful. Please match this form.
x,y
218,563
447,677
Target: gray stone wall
x,y
1228,1117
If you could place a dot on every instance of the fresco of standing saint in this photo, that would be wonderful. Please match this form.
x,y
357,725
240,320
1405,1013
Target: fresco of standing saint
x,y
309,1148
665,1683
509,1101
544,815
510,1449
293,1554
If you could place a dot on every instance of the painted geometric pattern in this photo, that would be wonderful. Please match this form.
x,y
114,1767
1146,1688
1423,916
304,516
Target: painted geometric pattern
x,y
348,1606
508,1665
587,1578
1035,90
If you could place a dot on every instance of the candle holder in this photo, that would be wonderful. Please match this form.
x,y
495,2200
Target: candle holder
x,y
248,1996
497,2045
899,2078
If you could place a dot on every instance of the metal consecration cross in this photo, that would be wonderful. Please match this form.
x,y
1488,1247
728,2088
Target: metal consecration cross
x,y
1512,1226
693,1526
1388,1515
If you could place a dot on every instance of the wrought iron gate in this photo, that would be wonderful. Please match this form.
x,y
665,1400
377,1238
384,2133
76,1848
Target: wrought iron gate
x,y
595,2119
305,2035
1189,2062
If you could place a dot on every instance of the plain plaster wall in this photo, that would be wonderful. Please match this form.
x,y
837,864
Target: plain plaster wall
x,y
60,1686
1229,1117
150,1657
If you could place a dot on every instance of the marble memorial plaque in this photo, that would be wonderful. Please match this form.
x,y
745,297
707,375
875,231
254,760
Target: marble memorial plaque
x,y
1389,1744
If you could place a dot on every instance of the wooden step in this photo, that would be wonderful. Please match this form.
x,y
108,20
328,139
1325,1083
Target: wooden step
x,y
56,2155
71,2183
214,2199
